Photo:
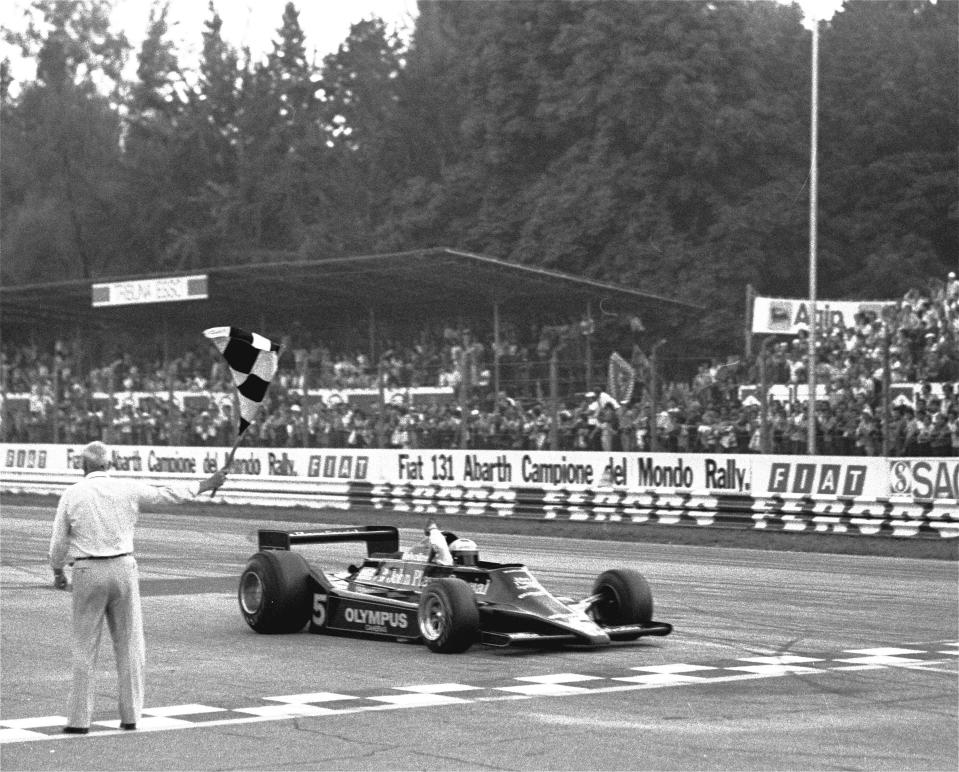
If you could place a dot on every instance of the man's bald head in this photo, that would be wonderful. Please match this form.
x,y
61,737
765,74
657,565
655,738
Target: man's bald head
x,y
95,456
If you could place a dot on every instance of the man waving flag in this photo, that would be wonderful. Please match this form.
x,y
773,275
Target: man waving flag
x,y
252,360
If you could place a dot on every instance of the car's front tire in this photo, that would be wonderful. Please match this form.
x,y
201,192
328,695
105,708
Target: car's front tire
x,y
448,617
625,598
274,595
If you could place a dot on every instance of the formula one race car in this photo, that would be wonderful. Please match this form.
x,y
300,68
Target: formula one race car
x,y
449,607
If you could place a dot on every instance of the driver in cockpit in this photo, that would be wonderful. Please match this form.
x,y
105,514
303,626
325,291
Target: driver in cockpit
x,y
433,548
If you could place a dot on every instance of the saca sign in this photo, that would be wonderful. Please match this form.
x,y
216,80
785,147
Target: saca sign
x,y
925,479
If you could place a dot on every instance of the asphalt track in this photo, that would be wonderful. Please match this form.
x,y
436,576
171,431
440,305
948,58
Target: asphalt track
x,y
779,660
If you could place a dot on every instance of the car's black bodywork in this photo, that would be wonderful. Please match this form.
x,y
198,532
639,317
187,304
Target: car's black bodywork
x,y
447,607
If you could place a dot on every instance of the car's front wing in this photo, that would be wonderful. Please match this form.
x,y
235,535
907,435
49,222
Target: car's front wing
x,y
617,633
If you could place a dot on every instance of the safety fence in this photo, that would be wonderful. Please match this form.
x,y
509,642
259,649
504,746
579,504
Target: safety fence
x,y
913,497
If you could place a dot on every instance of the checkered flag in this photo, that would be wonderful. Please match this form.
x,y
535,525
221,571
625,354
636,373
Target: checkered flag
x,y
253,361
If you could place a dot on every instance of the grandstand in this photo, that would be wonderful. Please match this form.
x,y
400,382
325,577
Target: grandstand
x,y
442,349
339,320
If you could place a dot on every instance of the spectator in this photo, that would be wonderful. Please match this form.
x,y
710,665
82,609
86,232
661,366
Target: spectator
x,y
62,400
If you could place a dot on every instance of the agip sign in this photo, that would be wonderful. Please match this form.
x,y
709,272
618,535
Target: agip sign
x,y
785,316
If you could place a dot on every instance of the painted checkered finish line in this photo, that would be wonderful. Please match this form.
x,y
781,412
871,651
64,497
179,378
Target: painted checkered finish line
x,y
882,517
940,657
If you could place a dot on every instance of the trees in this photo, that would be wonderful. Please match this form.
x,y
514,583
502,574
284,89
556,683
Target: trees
x,y
276,118
658,144
157,158
889,138
665,145
362,154
60,197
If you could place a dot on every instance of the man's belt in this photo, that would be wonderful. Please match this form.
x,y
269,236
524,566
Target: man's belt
x,y
103,557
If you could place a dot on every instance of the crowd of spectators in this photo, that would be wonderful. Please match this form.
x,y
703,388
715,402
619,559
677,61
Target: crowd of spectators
x,y
137,398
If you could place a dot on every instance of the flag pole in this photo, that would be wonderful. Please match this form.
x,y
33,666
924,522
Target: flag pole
x,y
239,434
229,457
229,461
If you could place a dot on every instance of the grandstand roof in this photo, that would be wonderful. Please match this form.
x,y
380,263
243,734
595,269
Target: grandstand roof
x,y
434,282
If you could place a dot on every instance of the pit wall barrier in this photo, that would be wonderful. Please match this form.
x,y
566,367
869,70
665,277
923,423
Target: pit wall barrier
x,y
917,497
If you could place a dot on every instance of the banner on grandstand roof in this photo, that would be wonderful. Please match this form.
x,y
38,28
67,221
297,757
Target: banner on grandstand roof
x,y
163,290
784,316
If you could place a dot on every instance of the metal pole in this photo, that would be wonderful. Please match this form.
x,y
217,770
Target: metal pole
x,y
496,354
108,433
380,383
464,393
653,367
813,206
5,432
554,399
56,396
886,403
305,406
589,346
764,397
653,436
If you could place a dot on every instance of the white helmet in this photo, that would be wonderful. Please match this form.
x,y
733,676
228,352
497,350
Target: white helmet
x,y
464,552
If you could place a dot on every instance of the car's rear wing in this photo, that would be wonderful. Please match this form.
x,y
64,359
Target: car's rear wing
x,y
378,538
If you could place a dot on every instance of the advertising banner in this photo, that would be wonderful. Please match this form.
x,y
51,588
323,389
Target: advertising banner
x,y
163,290
146,461
925,479
785,316
574,470
488,468
820,476
491,481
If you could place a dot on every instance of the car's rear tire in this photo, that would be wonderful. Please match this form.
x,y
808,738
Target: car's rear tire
x,y
625,598
448,617
274,595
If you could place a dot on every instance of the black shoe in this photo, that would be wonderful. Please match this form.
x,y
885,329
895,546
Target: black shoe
x,y
128,727
76,730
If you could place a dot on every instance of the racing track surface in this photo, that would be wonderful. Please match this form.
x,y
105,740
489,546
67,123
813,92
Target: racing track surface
x,y
779,660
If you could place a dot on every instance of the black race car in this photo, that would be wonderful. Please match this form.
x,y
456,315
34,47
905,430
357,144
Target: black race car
x,y
449,607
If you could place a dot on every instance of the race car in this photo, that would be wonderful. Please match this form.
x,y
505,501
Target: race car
x,y
447,607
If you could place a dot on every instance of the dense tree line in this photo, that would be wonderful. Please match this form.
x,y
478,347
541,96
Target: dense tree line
x,y
663,145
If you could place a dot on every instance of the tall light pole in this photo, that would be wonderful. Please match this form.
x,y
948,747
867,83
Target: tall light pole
x,y
813,210
814,12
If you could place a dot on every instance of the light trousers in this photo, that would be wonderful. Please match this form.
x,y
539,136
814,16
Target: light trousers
x,y
107,590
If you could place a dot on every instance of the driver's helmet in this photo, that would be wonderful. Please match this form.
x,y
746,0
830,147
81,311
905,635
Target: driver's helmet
x,y
464,552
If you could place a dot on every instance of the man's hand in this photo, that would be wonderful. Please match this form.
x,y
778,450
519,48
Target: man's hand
x,y
214,481
59,579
